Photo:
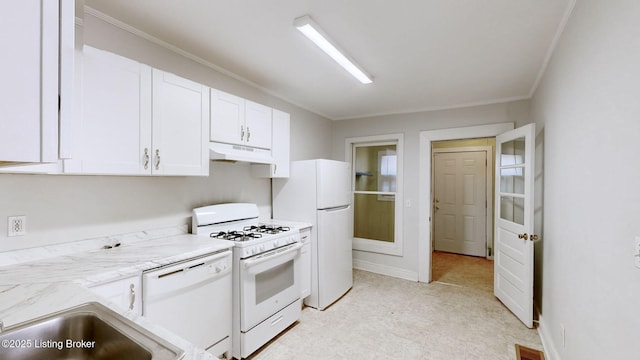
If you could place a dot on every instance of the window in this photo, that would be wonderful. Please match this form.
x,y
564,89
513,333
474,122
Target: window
x,y
388,162
376,183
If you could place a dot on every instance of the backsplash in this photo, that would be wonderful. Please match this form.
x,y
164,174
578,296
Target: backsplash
x,y
62,208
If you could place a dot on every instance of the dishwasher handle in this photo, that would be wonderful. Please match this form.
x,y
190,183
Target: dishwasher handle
x,y
190,265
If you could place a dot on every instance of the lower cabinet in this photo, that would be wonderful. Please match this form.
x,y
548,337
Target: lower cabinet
x,y
305,263
123,292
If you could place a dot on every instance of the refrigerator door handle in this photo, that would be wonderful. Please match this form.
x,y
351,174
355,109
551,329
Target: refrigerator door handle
x,y
338,208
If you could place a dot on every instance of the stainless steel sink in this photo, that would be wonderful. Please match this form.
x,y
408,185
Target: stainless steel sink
x,y
90,331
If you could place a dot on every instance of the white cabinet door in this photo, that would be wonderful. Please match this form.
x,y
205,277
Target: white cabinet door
x,y
125,293
138,121
180,126
227,118
114,132
280,149
29,87
258,125
237,121
305,263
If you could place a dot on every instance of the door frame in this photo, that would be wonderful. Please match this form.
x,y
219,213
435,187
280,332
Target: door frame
x,y
424,178
489,174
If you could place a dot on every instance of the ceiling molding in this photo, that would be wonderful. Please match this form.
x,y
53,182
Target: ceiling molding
x,y
137,32
442,108
552,47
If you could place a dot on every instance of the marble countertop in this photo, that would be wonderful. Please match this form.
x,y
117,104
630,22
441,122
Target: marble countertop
x,y
46,284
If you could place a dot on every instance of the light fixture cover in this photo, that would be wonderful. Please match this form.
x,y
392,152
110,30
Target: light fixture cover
x,y
312,31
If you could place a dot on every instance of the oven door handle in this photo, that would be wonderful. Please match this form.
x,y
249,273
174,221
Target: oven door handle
x,y
274,254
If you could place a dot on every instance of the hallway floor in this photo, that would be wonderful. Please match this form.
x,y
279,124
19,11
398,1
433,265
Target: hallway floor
x,y
388,318
468,271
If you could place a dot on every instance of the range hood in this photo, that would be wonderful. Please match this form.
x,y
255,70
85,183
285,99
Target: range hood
x,y
229,152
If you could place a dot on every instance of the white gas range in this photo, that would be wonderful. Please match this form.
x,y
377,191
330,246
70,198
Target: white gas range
x,y
266,272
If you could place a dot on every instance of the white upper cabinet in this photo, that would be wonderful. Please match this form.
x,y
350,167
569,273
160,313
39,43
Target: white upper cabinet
x,y
235,120
136,120
280,149
30,35
113,131
258,125
227,118
180,126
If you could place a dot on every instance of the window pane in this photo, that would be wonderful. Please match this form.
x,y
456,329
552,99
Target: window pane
x,y
374,217
512,209
512,180
512,152
375,168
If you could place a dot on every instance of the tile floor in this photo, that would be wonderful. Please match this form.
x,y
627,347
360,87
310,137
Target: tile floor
x,y
384,317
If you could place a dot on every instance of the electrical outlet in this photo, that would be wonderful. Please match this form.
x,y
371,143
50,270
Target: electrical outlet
x,y
16,225
636,251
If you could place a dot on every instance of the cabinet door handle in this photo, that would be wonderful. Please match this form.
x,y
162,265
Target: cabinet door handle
x,y
146,158
248,133
157,159
132,297
241,132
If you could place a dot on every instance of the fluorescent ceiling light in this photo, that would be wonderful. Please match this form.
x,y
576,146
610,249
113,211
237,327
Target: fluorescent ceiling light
x,y
311,30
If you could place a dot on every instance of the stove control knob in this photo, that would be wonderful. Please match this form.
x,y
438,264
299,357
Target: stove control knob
x,y
276,243
261,247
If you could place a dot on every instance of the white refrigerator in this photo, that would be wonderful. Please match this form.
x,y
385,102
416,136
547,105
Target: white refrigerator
x,y
319,192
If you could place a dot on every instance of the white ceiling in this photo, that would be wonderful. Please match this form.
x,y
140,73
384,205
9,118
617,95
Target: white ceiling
x,y
423,54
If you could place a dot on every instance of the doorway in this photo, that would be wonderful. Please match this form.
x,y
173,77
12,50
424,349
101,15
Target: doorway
x,y
426,201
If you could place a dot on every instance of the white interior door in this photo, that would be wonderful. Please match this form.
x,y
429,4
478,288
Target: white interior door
x,y
460,203
513,266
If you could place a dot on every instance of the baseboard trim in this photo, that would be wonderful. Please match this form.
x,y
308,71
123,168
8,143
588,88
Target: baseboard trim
x,y
385,270
548,345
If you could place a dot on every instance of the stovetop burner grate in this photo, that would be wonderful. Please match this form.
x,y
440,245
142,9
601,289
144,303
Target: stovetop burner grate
x,y
267,229
236,235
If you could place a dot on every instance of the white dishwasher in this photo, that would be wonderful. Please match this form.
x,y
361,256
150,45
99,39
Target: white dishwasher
x,y
193,299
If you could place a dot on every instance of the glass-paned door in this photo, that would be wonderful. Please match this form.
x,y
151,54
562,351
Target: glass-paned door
x,y
513,261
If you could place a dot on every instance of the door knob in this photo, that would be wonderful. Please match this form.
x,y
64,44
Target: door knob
x,y
524,236
533,237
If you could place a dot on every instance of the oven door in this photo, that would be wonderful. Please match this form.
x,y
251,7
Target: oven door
x,y
269,282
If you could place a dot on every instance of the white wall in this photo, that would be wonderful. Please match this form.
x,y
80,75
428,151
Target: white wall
x,y
61,208
588,109
410,125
